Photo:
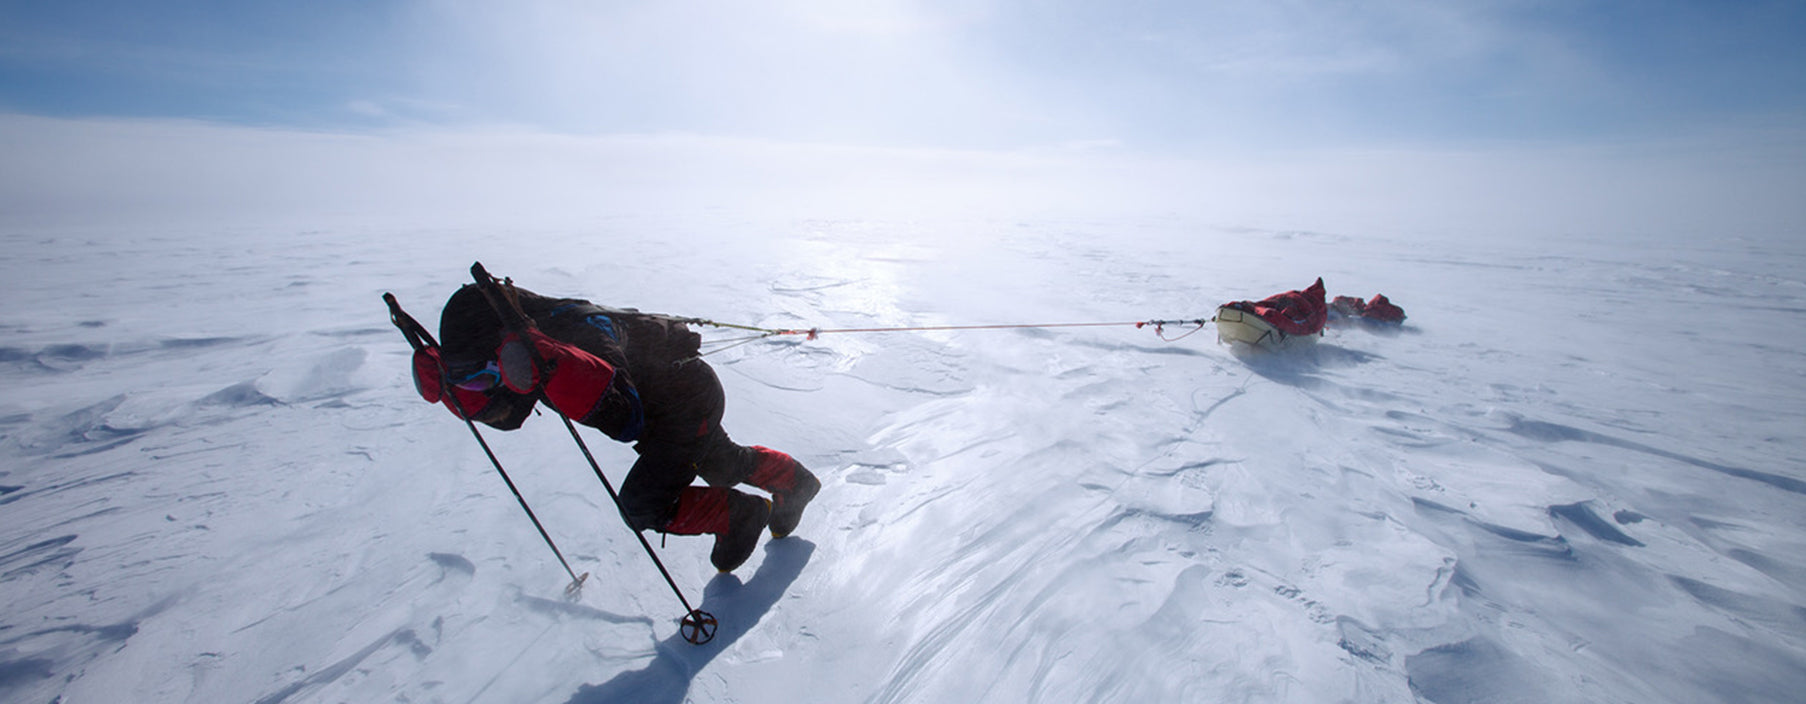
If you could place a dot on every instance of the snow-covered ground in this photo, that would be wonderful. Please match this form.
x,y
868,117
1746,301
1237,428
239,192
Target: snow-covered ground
x,y
1577,474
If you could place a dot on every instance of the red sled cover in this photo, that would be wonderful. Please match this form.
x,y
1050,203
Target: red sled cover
x,y
1378,310
1382,310
1292,312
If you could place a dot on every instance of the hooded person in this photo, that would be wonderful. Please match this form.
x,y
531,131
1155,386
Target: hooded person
x,y
638,379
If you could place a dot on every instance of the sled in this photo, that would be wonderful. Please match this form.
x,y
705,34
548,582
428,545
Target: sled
x,y
1235,326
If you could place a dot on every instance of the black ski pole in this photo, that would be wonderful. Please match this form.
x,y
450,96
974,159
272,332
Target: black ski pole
x,y
698,626
420,339
576,584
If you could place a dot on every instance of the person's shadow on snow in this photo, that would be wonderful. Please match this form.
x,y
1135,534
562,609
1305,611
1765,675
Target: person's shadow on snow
x,y
737,607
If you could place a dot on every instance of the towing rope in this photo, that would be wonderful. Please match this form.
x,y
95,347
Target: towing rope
x,y
815,333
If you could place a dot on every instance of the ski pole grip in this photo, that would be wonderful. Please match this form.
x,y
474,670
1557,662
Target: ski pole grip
x,y
499,293
410,328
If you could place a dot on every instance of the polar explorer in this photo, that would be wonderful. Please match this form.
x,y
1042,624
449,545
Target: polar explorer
x,y
638,379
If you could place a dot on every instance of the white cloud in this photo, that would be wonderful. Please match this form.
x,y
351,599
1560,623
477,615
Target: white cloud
x,y
863,17
871,72
157,173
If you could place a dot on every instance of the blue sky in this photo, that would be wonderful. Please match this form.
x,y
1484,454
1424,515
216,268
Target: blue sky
x,y
1509,116
1146,75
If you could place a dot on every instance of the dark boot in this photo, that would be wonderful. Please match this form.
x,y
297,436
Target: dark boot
x,y
791,486
735,519
747,518
787,507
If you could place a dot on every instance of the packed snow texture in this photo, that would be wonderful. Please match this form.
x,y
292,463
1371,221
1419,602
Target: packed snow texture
x,y
1575,474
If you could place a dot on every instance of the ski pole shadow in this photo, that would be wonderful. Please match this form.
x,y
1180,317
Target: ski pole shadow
x,y
738,607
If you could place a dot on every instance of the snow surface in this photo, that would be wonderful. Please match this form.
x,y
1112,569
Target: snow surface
x,y
1576,474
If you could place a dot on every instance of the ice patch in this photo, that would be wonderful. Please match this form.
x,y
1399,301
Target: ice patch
x,y
1475,671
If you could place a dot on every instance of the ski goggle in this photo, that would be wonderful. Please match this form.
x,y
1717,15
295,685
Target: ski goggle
x,y
514,367
480,380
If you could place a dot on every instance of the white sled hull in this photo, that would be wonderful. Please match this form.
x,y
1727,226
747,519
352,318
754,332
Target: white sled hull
x,y
1234,326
